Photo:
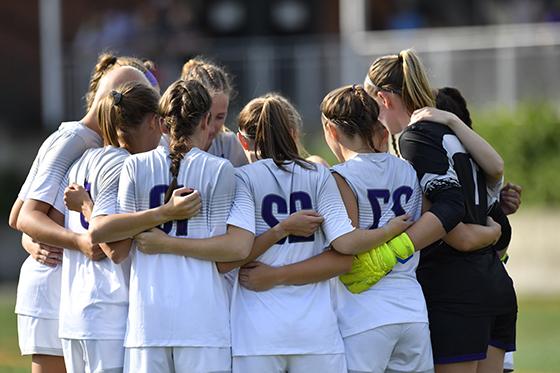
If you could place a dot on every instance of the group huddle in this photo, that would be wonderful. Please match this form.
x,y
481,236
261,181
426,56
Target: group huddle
x,y
161,241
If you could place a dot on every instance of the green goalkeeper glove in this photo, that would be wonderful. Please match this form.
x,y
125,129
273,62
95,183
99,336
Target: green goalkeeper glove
x,y
371,266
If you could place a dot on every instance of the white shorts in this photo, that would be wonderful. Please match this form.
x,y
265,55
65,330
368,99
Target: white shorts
x,y
390,348
327,363
508,362
38,336
93,355
177,359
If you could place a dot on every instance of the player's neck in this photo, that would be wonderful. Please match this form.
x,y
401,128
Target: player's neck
x,y
91,122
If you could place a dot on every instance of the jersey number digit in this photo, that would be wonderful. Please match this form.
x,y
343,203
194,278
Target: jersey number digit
x,y
83,221
383,195
157,195
296,198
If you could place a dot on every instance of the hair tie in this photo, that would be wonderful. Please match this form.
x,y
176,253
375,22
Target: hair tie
x,y
151,78
117,97
400,58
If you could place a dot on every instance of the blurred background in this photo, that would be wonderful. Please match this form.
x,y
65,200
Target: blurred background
x,y
503,55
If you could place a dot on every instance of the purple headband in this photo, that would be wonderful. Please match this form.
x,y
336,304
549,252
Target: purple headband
x,y
151,78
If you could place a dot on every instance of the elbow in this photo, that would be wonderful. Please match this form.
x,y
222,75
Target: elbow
x,y
22,224
117,257
95,233
223,267
465,244
13,222
498,172
241,251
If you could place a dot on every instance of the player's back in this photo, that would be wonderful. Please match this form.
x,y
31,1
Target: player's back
x,y
385,186
176,300
286,319
94,294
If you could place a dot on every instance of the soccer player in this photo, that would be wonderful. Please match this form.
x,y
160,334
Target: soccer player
x,y
221,141
94,294
467,294
38,294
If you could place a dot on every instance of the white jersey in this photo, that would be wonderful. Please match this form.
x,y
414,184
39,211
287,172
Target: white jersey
x,y
94,294
176,300
38,291
385,186
226,145
286,319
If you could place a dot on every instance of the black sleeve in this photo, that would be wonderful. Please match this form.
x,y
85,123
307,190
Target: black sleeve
x,y
499,217
424,150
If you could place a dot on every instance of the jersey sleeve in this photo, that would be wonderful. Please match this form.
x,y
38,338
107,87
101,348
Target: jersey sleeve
x,y
438,179
242,212
59,201
220,201
107,190
52,168
126,201
331,207
29,180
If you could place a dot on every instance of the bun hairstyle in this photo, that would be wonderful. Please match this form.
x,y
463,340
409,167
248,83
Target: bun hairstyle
x,y
450,99
213,77
106,62
271,119
183,105
354,112
123,109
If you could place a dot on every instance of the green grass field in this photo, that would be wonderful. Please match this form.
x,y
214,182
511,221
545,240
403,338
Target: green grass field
x,y
538,337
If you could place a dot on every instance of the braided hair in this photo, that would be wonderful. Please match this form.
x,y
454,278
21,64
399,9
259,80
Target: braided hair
x,y
183,106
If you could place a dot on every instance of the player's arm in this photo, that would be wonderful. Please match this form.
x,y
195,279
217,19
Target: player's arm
x,y
235,244
470,237
34,220
302,223
259,277
14,213
480,150
110,228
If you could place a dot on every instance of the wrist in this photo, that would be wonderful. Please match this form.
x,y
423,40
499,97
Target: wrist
x,y
387,233
87,209
279,276
160,215
280,230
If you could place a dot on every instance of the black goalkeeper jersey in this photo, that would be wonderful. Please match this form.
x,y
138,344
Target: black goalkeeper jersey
x,y
475,283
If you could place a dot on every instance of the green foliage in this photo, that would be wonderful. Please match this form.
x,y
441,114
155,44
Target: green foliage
x,y
528,138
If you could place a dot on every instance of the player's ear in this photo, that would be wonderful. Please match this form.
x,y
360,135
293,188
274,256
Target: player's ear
x,y
332,131
205,121
384,99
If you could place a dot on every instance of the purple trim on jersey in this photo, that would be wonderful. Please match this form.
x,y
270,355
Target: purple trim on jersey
x,y
460,359
507,347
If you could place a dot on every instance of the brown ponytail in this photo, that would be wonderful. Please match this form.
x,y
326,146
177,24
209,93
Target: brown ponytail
x,y
273,123
354,112
182,107
123,109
